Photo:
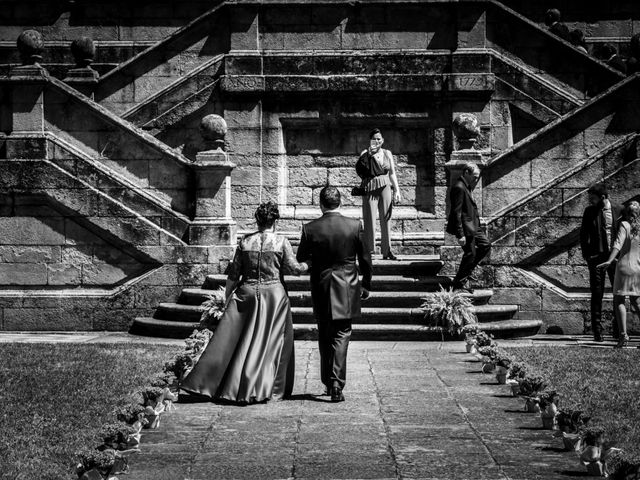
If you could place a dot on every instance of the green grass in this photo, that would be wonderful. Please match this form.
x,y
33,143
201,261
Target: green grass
x,y
54,398
603,383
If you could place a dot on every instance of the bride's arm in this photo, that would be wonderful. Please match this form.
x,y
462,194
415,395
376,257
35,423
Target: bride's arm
x,y
235,272
289,260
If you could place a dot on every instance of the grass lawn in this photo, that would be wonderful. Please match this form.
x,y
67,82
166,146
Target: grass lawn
x,y
55,397
604,383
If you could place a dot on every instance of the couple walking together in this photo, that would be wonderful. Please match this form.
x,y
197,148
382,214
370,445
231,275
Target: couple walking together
x,y
250,357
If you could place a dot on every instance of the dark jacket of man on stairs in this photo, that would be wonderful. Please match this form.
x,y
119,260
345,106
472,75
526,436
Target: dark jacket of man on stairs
x,y
464,223
332,243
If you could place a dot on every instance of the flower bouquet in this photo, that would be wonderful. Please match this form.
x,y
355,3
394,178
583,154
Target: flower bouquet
x,y
451,310
214,308
549,409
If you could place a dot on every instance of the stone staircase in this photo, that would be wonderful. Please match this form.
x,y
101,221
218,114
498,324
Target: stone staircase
x,y
391,313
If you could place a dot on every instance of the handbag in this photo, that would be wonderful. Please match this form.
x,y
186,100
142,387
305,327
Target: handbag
x,y
357,191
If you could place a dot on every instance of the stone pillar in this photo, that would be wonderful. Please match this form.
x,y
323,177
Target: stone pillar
x,y
83,77
27,99
213,224
466,131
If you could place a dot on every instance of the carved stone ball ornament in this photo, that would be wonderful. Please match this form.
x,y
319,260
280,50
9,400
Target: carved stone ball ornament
x,y
213,129
466,130
30,45
83,51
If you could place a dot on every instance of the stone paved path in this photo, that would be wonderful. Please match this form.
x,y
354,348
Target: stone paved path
x,y
413,410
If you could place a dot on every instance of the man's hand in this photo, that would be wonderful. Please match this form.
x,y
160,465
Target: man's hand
x,y
462,241
364,294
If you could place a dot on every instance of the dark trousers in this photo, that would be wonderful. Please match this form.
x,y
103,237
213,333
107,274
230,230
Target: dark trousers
x,y
475,249
596,285
333,342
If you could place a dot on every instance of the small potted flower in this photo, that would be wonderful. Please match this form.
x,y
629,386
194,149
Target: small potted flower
x,y
597,453
530,385
488,355
470,332
517,372
503,363
116,435
549,409
570,425
213,309
95,464
180,365
154,406
450,310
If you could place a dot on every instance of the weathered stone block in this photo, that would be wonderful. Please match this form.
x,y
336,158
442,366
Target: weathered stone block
x,y
311,177
34,319
32,231
29,254
64,274
23,274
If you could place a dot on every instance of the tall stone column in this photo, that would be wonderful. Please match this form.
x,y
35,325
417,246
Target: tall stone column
x,y
213,224
83,77
28,81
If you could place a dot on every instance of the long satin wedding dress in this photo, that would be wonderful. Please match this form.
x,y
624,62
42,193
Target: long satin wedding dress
x,y
250,357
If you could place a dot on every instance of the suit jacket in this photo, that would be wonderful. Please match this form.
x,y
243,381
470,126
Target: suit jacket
x,y
332,243
593,232
463,220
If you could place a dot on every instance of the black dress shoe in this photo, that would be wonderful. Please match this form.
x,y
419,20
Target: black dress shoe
x,y
389,256
336,395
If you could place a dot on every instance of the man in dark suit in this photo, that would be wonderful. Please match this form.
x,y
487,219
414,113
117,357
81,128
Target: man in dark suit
x,y
464,223
332,243
598,231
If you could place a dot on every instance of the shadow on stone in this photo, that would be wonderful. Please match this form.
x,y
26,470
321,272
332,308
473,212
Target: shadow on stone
x,y
309,397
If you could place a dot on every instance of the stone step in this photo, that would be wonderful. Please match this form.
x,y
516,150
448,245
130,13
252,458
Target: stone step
x,y
388,283
302,298
399,315
370,315
178,312
309,331
390,299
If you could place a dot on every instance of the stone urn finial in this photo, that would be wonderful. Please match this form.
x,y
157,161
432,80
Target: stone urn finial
x,y
83,51
213,129
30,45
466,130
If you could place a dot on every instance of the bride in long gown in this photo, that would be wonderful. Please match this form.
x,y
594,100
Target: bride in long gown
x,y
250,357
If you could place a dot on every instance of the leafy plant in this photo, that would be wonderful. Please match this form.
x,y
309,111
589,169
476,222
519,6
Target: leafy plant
x,y
572,421
517,371
116,434
531,384
129,413
490,351
448,309
483,339
547,398
502,359
594,436
92,458
151,395
179,365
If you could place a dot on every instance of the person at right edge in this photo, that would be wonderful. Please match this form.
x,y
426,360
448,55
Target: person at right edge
x,y
464,223
600,223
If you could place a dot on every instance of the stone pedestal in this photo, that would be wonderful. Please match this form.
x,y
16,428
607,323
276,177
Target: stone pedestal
x,y
213,224
83,79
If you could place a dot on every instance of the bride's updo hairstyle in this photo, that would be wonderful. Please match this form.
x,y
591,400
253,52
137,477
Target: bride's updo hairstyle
x,y
266,214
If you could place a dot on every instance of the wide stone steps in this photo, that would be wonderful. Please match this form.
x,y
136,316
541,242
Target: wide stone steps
x,y
392,312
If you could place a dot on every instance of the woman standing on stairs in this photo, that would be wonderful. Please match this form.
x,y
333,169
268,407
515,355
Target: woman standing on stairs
x,y
377,170
250,357
627,278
